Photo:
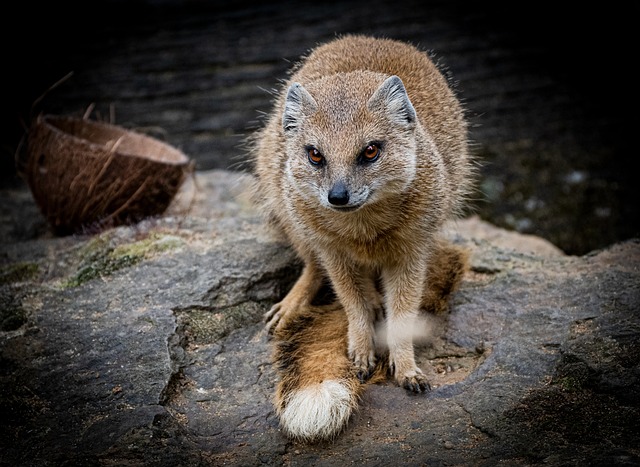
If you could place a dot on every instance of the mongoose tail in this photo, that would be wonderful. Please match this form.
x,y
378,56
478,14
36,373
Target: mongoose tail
x,y
318,389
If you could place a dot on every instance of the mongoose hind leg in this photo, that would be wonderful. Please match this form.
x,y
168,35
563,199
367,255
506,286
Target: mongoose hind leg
x,y
448,265
299,297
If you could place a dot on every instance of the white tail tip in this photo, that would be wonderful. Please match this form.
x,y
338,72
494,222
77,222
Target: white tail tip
x,y
319,411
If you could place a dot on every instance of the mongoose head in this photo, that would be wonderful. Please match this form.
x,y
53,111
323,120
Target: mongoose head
x,y
350,139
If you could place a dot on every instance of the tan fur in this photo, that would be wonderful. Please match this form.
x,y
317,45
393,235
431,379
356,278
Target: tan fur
x,y
371,228
311,351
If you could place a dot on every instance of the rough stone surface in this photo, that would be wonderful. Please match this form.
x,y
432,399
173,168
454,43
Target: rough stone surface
x,y
144,345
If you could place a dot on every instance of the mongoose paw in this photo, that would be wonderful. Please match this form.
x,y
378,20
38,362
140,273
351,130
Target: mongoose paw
x,y
414,381
365,365
417,383
273,317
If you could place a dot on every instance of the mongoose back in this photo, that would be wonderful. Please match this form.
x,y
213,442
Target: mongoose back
x,y
362,160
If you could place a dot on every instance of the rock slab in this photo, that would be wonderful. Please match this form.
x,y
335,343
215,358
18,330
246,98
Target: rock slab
x,y
144,345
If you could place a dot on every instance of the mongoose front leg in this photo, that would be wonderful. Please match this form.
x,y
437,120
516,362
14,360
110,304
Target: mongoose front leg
x,y
356,291
300,295
403,294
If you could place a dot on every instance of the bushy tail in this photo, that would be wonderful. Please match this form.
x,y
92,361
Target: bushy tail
x,y
318,389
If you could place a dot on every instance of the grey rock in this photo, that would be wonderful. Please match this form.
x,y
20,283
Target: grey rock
x,y
145,345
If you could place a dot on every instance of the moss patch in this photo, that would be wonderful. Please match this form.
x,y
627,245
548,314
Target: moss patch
x,y
18,272
103,255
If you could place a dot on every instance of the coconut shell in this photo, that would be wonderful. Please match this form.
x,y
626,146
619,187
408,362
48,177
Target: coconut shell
x,y
87,175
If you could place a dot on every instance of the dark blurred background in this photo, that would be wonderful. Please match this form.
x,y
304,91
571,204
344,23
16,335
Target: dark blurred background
x,y
548,88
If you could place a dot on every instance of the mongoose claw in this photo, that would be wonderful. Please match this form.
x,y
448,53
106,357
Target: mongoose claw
x,y
363,375
364,368
415,383
272,318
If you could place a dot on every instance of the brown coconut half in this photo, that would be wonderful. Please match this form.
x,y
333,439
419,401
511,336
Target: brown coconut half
x,y
87,175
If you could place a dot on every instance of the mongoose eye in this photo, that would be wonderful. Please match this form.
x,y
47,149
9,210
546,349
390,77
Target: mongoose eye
x,y
315,156
370,153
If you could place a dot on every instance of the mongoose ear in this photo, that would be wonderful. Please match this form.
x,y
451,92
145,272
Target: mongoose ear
x,y
391,97
297,105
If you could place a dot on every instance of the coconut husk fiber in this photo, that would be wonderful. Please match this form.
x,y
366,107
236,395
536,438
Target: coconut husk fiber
x,y
87,175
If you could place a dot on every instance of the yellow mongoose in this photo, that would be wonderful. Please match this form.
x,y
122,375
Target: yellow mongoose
x,y
362,160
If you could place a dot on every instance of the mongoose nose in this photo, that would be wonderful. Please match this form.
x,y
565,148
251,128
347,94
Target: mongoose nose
x,y
338,195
